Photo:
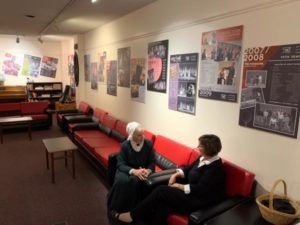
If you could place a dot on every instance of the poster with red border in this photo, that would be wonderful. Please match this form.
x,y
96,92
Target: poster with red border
x,y
270,96
220,67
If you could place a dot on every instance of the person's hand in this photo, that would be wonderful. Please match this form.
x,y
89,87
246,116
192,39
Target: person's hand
x,y
172,179
140,173
178,186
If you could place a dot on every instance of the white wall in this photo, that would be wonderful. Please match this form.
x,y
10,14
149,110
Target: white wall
x,y
266,23
31,46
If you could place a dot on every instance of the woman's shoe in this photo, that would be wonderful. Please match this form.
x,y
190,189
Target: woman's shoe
x,y
114,217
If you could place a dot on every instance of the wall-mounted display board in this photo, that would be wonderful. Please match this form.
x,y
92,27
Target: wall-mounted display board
x,y
157,66
221,64
138,79
271,89
183,80
111,67
124,67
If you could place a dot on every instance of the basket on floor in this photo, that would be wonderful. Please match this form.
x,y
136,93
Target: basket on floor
x,y
274,216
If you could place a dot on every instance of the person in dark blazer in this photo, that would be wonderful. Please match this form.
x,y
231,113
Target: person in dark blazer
x,y
136,161
197,186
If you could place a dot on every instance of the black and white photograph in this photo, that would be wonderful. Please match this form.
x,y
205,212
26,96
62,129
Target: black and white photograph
x,y
275,118
256,78
251,96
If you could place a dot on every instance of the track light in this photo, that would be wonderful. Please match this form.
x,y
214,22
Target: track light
x,y
17,40
40,40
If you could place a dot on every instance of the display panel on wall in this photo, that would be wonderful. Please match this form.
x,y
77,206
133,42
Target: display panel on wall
x,y
124,67
138,79
111,67
183,80
221,64
270,98
49,66
31,65
94,77
157,66
12,64
87,67
101,69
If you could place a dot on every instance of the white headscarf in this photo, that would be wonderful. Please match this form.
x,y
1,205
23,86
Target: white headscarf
x,y
131,127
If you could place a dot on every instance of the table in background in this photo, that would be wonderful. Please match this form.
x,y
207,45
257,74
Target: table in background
x,y
59,145
6,122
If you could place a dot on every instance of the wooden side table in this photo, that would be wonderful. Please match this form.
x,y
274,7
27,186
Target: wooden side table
x,y
65,106
59,145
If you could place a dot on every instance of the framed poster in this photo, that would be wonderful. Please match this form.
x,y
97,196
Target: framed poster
x,y
111,66
124,67
31,65
271,89
221,64
138,79
157,66
182,84
49,66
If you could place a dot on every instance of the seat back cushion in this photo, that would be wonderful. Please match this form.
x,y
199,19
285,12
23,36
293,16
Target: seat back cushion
x,y
34,107
174,151
84,107
119,132
109,121
99,114
149,135
239,181
10,109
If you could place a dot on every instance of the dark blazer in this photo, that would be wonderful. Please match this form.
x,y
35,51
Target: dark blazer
x,y
207,182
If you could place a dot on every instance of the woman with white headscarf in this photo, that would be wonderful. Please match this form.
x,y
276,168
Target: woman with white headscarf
x,y
136,161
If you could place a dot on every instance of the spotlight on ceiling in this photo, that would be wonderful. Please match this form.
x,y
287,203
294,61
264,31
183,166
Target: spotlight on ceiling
x,y
40,40
94,1
17,40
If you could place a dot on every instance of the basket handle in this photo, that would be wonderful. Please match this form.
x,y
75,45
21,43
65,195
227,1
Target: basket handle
x,y
273,190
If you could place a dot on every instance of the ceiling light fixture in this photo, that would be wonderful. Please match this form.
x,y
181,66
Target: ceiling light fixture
x,y
18,40
94,1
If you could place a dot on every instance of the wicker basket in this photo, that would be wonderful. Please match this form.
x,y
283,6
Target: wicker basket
x,y
270,214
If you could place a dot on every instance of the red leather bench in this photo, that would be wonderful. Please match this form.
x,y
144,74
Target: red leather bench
x,y
37,110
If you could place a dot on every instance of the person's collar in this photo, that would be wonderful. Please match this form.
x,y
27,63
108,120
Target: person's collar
x,y
203,161
135,146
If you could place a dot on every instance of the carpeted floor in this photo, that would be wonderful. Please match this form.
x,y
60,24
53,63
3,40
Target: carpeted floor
x,y
27,196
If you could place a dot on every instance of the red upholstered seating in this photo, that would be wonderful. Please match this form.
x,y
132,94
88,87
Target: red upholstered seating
x,y
174,151
37,110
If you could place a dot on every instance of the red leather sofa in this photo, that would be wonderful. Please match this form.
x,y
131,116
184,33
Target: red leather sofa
x,y
171,154
98,140
37,110
73,121
83,109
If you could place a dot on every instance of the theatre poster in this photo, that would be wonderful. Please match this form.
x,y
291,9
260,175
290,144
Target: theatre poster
x,y
183,82
137,79
220,67
157,66
111,71
270,96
